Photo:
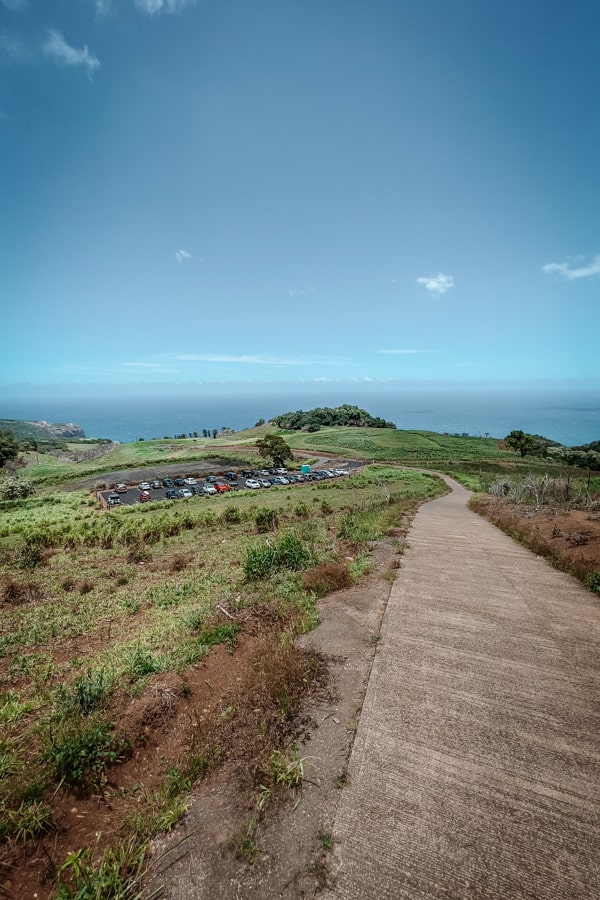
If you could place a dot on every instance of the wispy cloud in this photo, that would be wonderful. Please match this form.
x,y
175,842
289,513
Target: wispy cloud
x,y
157,7
252,359
182,255
302,291
437,284
15,5
155,367
57,49
399,352
102,7
574,268
12,49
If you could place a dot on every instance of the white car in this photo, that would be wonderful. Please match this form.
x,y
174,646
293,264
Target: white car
x,y
144,486
209,489
190,480
185,493
252,483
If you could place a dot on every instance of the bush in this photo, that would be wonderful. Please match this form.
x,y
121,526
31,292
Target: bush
x,y
266,520
15,487
231,515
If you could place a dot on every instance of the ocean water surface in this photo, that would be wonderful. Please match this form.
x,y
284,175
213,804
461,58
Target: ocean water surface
x,y
569,416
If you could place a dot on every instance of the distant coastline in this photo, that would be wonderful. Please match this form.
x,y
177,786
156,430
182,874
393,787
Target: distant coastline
x,y
570,417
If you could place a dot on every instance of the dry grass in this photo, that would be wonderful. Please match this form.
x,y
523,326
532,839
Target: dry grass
x,y
326,578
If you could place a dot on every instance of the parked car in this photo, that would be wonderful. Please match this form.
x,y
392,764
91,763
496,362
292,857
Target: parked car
x,y
230,476
121,489
167,482
264,482
156,484
172,494
189,480
144,485
252,483
209,489
211,479
221,487
198,490
281,471
145,496
185,493
179,482
114,500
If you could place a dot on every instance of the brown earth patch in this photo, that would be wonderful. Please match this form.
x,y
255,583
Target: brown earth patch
x,y
569,538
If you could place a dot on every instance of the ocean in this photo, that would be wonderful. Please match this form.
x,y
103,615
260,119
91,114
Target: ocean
x,y
569,416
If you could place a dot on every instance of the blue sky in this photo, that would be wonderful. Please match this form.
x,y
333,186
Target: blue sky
x,y
280,191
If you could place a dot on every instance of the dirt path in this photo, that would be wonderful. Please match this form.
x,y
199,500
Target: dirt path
x,y
475,771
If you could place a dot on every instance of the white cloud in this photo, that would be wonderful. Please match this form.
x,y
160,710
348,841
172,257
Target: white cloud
x,y
156,7
399,352
182,255
570,270
437,284
56,48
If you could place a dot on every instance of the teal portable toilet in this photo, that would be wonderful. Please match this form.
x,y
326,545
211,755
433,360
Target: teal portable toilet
x,y
305,469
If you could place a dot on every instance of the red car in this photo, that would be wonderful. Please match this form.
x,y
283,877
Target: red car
x,y
222,487
145,496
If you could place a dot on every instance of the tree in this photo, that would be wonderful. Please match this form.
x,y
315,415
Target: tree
x,y
520,441
9,446
215,432
274,446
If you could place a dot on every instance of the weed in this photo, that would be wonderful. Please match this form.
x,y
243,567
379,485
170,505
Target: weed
x,y
118,873
360,566
288,773
326,840
31,819
85,586
220,634
77,753
326,508
139,662
85,694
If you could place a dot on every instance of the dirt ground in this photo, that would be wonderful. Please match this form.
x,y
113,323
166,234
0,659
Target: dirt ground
x,y
198,858
570,538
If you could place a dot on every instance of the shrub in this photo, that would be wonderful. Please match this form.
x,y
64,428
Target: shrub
x,y
593,581
301,510
30,555
326,577
15,592
288,552
266,520
231,515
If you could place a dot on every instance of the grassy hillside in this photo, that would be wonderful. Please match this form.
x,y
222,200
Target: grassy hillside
x,y
108,620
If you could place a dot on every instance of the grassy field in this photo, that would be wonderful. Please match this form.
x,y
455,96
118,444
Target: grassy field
x,y
97,605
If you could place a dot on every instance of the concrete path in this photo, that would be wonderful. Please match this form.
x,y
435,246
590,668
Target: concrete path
x,y
475,771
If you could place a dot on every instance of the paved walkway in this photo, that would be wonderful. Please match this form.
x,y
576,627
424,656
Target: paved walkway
x,y
476,766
